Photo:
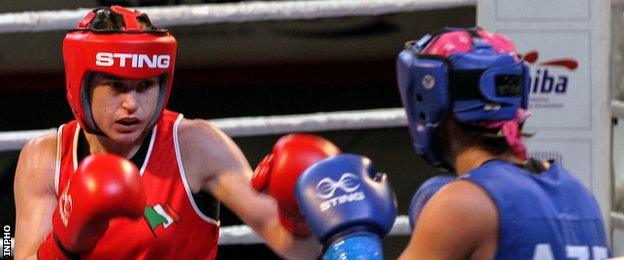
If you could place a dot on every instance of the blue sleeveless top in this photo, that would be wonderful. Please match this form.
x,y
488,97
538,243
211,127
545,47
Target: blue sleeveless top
x,y
549,215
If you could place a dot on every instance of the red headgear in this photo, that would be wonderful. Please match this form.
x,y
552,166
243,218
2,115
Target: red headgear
x,y
129,53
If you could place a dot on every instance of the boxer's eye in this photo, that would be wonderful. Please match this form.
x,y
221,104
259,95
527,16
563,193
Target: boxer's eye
x,y
146,84
117,86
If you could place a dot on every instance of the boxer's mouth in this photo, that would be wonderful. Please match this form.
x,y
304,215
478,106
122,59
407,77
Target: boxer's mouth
x,y
128,121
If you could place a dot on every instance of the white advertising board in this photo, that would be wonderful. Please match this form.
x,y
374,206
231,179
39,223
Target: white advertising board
x,y
566,43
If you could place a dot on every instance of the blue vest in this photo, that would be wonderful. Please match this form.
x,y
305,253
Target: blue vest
x,y
550,215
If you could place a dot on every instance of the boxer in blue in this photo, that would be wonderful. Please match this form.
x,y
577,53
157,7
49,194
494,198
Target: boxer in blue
x,y
465,92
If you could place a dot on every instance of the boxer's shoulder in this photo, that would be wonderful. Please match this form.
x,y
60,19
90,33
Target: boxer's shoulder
x,y
40,151
465,204
462,195
194,130
198,137
206,151
37,160
461,217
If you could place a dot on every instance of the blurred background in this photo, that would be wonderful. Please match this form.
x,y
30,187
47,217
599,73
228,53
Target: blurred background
x,y
243,69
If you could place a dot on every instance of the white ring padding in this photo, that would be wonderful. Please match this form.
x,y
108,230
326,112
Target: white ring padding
x,y
617,108
36,21
269,125
401,226
16,140
238,235
244,235
617,220
362,119
256,126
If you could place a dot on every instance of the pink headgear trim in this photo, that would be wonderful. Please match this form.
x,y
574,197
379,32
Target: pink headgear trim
x,y
461,41
511,130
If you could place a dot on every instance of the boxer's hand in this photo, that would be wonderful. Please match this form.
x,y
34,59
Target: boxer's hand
x,y
424,193
348,205
277,173
105,186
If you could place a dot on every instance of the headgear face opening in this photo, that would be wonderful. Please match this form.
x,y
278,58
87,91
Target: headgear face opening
x,y
129,53
470,74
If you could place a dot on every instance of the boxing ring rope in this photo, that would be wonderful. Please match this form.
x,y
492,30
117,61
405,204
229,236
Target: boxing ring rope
x,y
273,125
37,21
265,125
617,108
244,235
617,220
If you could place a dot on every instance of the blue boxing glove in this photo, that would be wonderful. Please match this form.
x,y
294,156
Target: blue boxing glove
x,y
424,193
349,207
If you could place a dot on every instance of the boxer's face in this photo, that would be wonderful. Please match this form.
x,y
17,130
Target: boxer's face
x,y
122,108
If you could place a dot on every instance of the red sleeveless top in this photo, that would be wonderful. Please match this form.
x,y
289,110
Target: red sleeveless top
x,y
172,226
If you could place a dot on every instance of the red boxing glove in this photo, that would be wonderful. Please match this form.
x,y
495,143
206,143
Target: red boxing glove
x,y
105,186
277,174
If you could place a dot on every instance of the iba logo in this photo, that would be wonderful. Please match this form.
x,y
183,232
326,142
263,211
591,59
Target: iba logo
x,y
160,216
549,80
546,81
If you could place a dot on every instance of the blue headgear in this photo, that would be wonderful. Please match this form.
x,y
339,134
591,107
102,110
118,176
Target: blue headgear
x,y
470,74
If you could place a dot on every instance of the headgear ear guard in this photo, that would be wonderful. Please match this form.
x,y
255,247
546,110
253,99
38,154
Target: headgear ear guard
x,y
129,53
471,74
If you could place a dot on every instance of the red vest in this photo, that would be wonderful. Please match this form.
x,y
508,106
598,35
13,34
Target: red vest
x,y
172,226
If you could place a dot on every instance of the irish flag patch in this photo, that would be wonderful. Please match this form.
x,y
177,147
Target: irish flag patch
x,y
159,215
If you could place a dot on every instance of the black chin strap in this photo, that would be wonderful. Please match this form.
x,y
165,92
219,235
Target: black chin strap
x,y
532,165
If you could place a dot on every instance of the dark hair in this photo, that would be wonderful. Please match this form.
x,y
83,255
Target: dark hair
x,y
107,20
471,136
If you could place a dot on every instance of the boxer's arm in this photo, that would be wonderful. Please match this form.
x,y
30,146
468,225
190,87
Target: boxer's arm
x,y
35,198
459,222
214,163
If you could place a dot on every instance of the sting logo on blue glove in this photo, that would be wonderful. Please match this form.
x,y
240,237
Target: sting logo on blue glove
x,y
348,205
348,183
326,188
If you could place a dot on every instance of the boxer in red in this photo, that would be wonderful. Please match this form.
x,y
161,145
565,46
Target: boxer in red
x,y
119,69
